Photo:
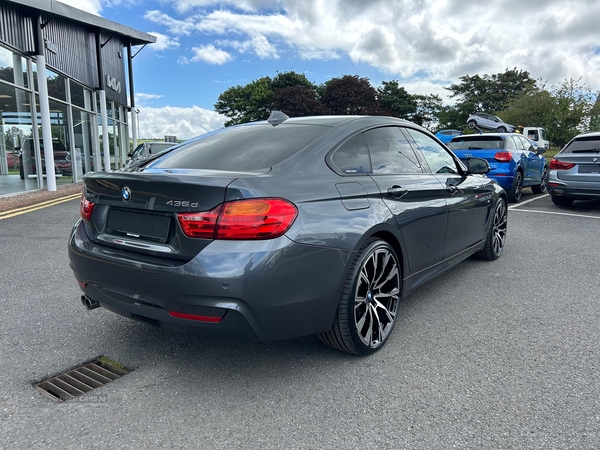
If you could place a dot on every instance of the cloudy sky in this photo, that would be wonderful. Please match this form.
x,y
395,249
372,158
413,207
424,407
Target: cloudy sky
x,y
205,46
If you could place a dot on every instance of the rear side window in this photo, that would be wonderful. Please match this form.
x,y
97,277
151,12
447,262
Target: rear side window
x,y
246,147
352,157
589,144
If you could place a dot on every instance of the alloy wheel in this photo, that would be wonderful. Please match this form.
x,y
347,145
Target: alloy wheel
x,y
499,228
376,297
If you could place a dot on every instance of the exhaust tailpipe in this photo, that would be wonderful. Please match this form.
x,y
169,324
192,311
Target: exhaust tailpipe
x,y
89,303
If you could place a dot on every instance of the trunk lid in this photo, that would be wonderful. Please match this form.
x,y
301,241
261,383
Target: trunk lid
x,y
137,211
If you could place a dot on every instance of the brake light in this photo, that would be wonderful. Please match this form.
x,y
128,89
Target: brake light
x,y
555,164
265,218
86,208
503,156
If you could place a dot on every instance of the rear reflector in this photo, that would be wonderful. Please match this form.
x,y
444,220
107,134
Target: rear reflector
x,y
179,315
555,164
264,218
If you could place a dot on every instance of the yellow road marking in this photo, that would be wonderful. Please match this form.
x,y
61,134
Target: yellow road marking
x,y
37,206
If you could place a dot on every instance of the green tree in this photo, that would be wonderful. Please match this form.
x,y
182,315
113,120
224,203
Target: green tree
x,y
490,93
395,101
450,117
350,94
289,79
564,110
247,103
573,109
428,110
297,101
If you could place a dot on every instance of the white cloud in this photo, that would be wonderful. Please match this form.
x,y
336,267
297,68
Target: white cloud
x,y
259,45
141,97
91,6
403,38
163,42
210,54
185,123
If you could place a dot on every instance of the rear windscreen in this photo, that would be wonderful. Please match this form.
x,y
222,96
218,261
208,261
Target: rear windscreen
x,y
584,145
250,147
480,142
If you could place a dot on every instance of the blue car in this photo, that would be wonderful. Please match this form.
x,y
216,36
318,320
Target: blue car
x,y
515,163
446,135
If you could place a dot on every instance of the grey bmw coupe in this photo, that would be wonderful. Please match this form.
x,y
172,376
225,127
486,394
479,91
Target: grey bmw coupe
x,y
285,228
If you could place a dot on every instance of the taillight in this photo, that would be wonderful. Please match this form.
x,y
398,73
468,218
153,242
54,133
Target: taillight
x,y
264,218
86,208
555,164
503,156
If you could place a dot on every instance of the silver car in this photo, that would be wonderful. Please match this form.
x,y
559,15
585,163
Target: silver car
x,y
575,170
489,122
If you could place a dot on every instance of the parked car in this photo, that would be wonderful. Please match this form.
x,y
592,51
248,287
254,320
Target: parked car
x,y
575,170
12,159
446,135
285,228
514,161
489,122
147,149
62,158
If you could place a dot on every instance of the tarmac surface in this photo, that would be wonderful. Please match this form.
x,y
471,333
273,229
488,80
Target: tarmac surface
x,y
502,354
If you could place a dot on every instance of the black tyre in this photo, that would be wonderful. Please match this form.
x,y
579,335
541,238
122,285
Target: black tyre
x,y
494,243
471,124
542,188
367,311
515,192
562,201
501,130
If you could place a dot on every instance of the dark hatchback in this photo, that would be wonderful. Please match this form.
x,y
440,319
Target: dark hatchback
x,y
285,228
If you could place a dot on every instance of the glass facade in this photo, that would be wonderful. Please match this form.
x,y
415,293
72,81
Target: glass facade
x,y
75,125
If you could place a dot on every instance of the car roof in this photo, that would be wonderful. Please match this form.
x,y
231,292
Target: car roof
x,y
588,134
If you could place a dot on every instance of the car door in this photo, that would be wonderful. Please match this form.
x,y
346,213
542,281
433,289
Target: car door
x,y
415,198
468,198
534,163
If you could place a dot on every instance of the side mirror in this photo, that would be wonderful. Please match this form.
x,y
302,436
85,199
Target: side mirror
x,y
129,155
541,150
477,166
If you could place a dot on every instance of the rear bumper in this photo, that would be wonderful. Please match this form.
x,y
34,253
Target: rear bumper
x,y
505,180
577,191
261,290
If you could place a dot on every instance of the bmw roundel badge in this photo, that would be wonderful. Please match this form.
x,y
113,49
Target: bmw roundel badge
x,y
126,193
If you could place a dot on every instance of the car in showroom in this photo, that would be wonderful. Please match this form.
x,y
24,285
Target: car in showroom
x,y
285,228
62,158
575,170
489,122
446,135
515,163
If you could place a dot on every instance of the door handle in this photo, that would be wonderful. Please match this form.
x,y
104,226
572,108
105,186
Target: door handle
x,y
397,191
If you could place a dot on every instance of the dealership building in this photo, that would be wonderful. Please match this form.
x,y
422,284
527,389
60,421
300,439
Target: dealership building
x,y
66,94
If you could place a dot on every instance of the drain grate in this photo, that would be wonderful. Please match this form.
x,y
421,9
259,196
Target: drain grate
x,y
81,380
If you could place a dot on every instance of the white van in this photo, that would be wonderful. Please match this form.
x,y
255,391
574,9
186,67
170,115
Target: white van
x,y
537,134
